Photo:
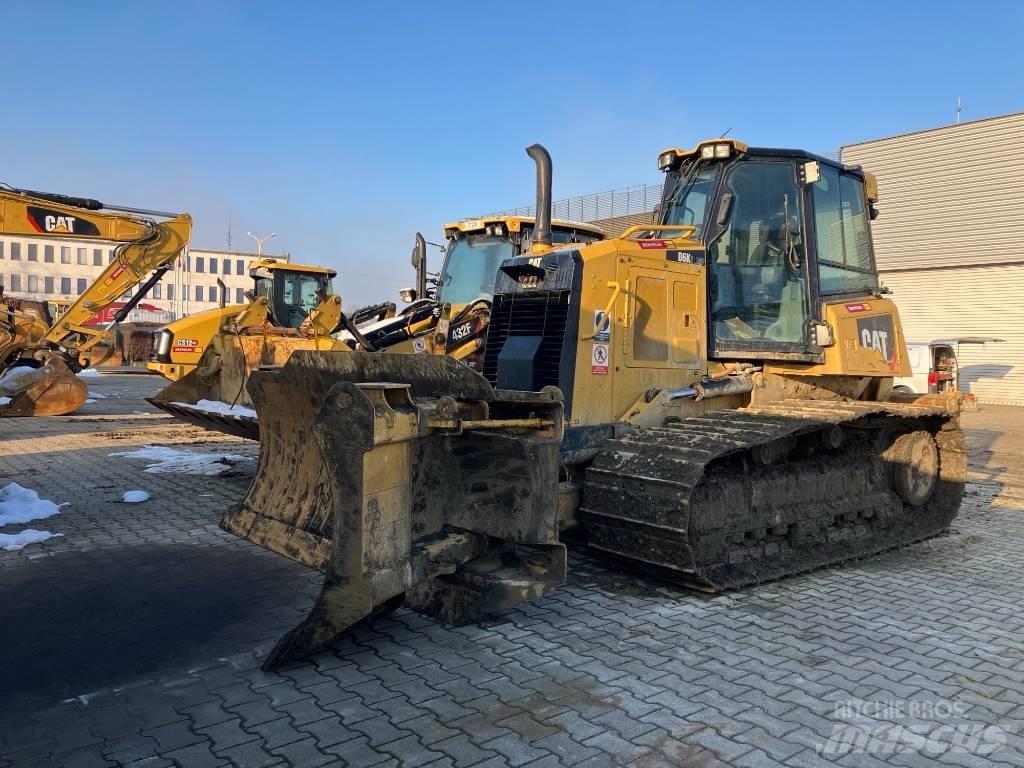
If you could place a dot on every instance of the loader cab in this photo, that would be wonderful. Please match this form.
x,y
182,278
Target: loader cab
x,y
291,290
783,230
476,248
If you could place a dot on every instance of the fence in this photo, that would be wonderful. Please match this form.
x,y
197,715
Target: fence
x,y
599,206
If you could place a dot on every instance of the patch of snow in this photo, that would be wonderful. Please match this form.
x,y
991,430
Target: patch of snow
x,y
15,541
98,395
89,373
219,407
5,400
89,400
20,505
169,460
10,380
134,497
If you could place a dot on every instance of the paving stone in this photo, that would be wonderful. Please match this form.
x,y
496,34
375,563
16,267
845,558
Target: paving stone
x,y
252,754
379,731
226,734
195,756
565,748
462,751
173,736
277,732
358,753
410,753
302,753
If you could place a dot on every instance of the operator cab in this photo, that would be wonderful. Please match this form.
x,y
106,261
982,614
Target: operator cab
x,y
783,230
291,291
476,248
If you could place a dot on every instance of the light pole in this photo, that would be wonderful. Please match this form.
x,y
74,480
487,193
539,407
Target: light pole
x,y
260,241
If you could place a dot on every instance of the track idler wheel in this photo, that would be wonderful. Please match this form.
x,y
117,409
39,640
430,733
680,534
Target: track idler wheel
x,y
913,459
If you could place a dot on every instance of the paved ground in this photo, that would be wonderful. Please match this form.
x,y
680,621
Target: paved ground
x,y
135,638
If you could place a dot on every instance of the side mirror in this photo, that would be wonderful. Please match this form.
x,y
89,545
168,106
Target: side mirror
x,y
724,209
409,295
419,263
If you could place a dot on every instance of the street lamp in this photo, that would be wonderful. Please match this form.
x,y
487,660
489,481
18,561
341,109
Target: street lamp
x,y
260,241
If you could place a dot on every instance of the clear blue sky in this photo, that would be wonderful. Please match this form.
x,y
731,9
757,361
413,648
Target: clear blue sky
x,y
347,127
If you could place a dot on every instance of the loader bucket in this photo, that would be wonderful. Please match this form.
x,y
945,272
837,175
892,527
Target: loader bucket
x,y
52,389
436,488
220,378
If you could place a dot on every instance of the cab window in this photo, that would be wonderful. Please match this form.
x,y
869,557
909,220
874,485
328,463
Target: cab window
x,y
842,234
298,297
757,264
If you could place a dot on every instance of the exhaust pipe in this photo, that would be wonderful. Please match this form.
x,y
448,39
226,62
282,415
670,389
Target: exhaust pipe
x,y
419,263
542,224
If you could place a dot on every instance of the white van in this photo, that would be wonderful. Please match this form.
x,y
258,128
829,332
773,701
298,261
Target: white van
x,y
933,369
933,364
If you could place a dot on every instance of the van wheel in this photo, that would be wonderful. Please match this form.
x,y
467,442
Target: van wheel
x,y
903,390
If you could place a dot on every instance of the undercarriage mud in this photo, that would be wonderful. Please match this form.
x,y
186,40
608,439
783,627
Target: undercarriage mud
x,y
743,496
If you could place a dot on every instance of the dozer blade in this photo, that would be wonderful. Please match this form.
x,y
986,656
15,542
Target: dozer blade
x,y
52,389
359,477
220,378
737,497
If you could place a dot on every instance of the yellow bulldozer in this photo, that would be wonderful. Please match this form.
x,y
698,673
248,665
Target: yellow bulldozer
x,y
39,355
450,320
707,399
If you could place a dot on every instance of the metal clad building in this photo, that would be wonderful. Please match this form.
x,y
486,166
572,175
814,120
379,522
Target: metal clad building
x,y
950,241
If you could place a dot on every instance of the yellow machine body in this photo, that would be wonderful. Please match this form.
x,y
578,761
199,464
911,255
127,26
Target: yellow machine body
x,y
707,398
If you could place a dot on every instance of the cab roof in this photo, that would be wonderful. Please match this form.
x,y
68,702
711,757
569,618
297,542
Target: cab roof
x,y
287,266
670,158
515,223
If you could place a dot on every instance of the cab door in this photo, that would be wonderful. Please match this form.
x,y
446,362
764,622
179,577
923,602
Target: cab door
x,y
664,322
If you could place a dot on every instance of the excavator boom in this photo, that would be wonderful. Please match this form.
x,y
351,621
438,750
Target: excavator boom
x,y
147,248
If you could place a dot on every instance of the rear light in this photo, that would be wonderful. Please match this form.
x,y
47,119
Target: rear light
x,y
933,378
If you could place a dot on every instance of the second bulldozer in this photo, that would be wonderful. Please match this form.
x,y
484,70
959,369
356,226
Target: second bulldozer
x,y
707,399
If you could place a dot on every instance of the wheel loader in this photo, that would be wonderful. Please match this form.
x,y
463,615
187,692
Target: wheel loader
x,y
450,320
39,356
707,399
290,292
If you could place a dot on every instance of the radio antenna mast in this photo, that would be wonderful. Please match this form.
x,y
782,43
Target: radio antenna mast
x,y
959,109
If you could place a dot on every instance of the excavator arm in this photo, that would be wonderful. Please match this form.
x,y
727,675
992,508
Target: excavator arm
x,y
147,248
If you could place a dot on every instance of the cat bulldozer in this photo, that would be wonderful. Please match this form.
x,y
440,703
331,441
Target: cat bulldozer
x,y
40,355
446,315
707,399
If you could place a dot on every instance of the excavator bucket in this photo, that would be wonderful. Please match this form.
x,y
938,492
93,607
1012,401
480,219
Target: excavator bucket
x,y
52,389
213,396
358,478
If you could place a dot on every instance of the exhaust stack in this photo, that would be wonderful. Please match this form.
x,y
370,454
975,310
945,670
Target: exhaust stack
x,y
542,224
419,263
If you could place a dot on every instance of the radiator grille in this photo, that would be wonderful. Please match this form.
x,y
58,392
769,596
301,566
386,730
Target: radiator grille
x,y
541,314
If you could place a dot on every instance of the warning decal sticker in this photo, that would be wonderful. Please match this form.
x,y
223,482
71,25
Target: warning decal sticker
x,y
599,359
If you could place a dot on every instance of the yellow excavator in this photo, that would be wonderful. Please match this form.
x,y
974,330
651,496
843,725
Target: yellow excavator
x,y
447,315
39,356
707,398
